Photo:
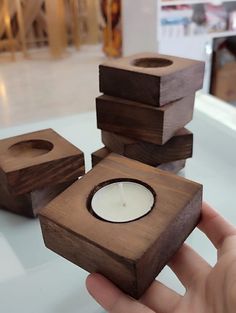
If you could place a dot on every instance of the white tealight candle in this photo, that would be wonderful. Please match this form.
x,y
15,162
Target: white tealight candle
x,y
122,201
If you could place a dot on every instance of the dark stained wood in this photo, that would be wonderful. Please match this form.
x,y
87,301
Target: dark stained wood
x,y
129,254
37,160
29,204
173,167
154,81
143,122
179,147
99,155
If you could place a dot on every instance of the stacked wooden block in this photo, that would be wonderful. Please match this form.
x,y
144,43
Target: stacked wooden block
x,y
148,99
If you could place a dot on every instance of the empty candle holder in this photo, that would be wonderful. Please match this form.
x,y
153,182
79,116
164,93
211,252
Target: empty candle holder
x,y
34,168
151,78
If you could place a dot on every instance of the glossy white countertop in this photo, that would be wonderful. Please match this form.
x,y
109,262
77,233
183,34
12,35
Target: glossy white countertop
x,y
35,280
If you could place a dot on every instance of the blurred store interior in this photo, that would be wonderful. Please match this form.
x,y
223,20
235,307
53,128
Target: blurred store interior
x,y
50,49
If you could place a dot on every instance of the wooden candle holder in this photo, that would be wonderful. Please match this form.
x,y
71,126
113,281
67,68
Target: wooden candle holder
x,y
179,147
173,167
130,254
34,168
151,78
143,122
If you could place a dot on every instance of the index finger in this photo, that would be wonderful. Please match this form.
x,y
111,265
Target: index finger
x,y
216,228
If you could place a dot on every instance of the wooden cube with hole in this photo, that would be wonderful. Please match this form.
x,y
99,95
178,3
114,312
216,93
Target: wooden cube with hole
x,y
143,122
151,78
34,168
123,219
173,167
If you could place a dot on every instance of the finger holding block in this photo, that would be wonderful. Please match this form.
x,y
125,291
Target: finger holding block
x,y
151,78
130,253
141,121
34,168
179,147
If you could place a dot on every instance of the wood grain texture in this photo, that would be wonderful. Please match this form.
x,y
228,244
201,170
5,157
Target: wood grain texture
x,y
37,160
30,203
129,254
99,155
143,122
173,167
179,147
155,86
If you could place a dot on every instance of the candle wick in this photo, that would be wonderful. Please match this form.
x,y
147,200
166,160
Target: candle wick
x,y
122,194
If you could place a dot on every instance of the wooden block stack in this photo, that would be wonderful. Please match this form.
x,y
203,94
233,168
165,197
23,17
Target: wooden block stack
x,y
148,99
35,168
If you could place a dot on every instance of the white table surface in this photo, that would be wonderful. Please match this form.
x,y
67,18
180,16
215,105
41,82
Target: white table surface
x,y
35,280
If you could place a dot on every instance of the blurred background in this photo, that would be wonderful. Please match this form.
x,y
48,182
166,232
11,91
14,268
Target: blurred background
x,y
50,49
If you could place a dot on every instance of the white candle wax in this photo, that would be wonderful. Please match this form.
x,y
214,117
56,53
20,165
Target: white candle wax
x,y
122,201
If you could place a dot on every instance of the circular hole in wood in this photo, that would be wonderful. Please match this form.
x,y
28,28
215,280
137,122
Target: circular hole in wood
x,y
31,148
152,62
121,200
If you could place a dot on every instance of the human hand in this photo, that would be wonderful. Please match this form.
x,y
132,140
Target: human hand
x,y
208,289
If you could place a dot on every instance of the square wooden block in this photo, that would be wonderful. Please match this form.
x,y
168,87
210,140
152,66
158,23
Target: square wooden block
x,y
151,78
141,121
35,168
39,159
129,254
179,147
173,167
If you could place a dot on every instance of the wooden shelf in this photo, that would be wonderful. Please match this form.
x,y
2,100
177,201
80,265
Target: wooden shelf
x,y
189,2
226,33
206,35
